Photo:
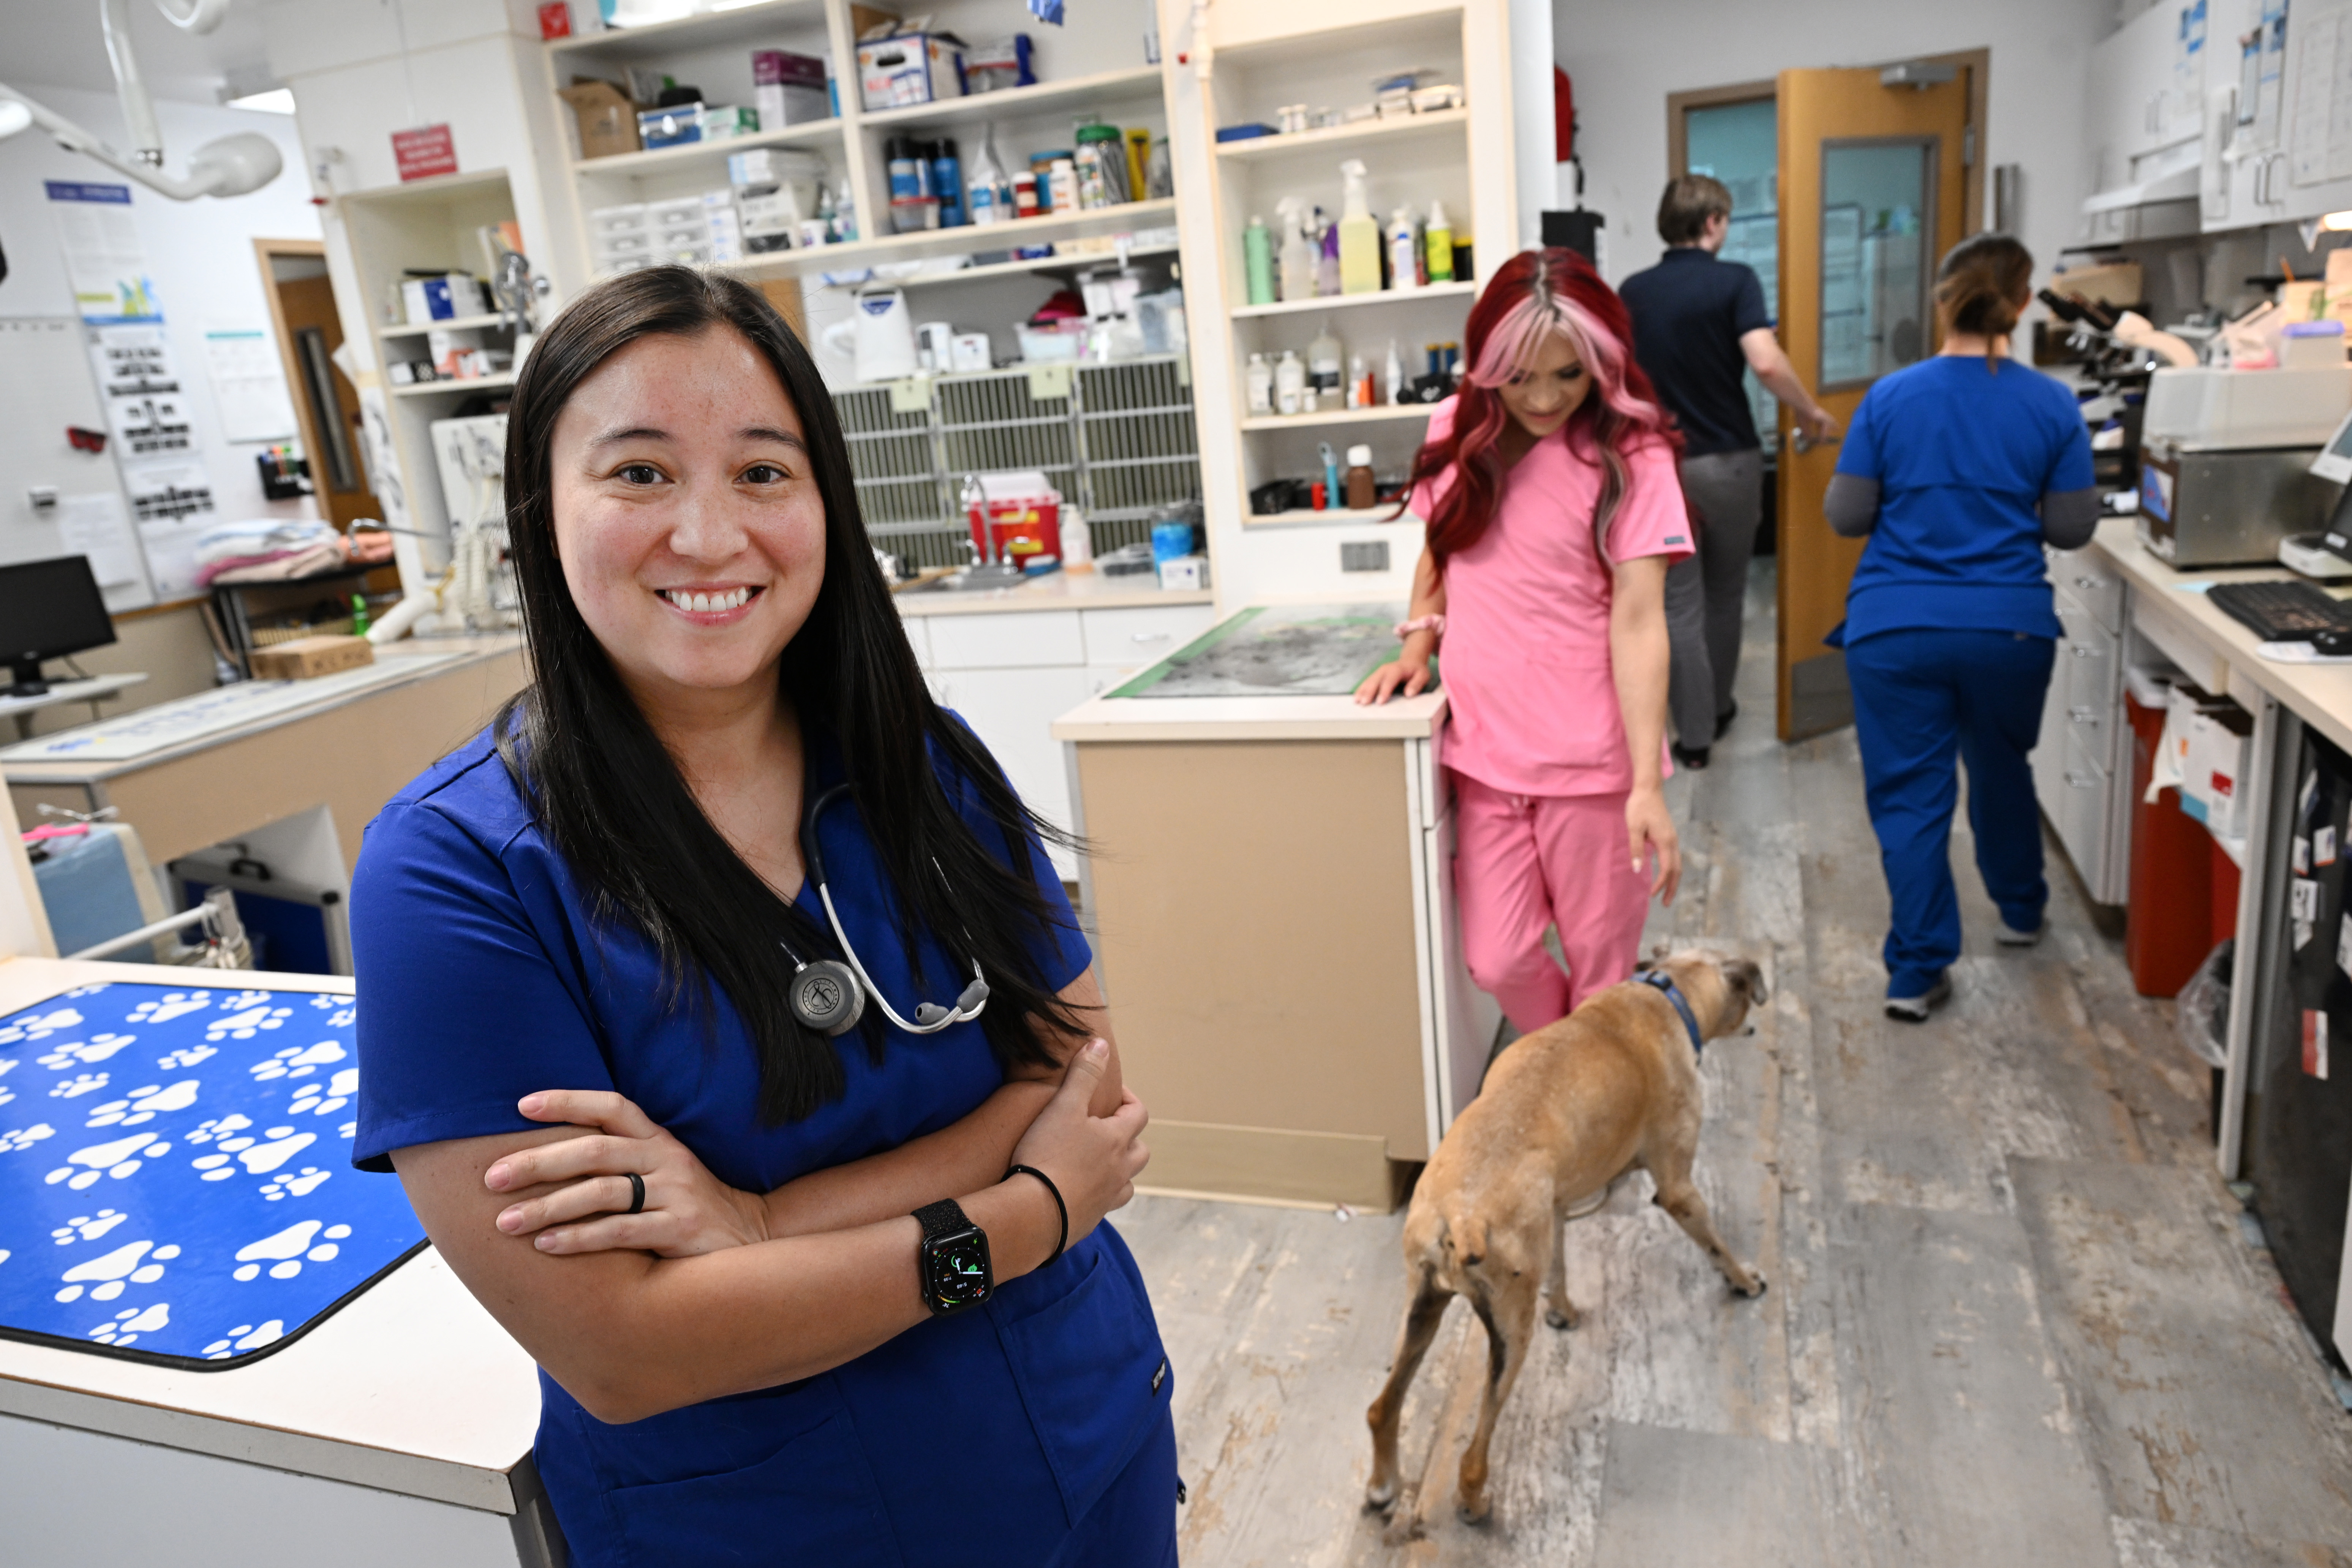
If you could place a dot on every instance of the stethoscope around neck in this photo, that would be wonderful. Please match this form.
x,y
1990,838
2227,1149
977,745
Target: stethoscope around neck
x,y
830,994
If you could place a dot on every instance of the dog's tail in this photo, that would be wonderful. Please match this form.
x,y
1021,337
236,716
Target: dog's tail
x,y
1463,1237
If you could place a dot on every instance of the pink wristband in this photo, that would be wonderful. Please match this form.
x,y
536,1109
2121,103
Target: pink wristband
x,y
1420,623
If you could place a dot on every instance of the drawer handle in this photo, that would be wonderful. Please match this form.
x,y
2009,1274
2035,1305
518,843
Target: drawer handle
x,y
2077,780
2081,651
2089,584
2083,715
1151,636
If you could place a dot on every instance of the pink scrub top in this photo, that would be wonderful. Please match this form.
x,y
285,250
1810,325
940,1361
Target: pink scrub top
x,y
1525,662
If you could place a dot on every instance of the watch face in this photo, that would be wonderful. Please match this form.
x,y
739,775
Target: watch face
x,y
958,1270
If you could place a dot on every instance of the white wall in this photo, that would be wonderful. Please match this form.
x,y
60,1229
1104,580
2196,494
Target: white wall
x,y
1623,58
199,253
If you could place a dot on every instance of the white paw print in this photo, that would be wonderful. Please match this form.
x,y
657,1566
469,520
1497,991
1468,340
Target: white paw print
x,y
338,1092
245,1025
131,1322
170,1005
90,990
325,1000
81,1083
246,1337
17,1138
87,1227
257,1157
132,1263
287,1248
6,1095
38,1025
185,1056
7,1065
117,1159
96,1048
349,1129
297,1061
285,1183
217,1127
145,1104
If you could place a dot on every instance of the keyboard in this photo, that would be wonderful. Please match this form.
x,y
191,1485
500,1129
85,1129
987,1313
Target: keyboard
x,y
2287,611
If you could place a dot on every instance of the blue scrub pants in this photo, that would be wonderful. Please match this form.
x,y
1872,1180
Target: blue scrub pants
x,y
1132,1525
1920,696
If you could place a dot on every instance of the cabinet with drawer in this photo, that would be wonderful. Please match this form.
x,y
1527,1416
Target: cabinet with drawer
x,y
2081,772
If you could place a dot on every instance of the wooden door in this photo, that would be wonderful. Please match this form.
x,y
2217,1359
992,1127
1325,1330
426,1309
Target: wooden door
x,y
1874,190
309,331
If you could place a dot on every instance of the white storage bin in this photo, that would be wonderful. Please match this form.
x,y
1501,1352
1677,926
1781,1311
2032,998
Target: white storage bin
x,y
628,218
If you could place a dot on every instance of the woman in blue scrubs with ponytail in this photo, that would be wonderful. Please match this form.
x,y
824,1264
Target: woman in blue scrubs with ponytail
x,y
727,1026
1957,469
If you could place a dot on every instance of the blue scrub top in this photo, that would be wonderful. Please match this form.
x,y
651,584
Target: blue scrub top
x,y
980,1437
1963,456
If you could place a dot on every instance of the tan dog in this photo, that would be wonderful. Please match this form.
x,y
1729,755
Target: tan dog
x,y
1564,1112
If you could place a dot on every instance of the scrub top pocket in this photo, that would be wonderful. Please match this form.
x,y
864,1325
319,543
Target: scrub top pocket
x,y
1090,1367
813,1500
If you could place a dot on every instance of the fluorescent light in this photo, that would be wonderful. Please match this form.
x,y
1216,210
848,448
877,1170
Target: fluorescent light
x,y
2337,223
280,100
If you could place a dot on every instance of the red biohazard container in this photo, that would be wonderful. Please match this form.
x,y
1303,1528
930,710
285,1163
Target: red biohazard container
x,y
2169,915
1017,529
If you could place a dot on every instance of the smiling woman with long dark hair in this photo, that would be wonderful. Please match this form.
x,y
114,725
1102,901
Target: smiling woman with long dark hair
x,y
792,1275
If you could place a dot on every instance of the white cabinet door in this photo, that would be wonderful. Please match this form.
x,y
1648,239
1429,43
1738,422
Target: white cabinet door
x,y
918,637
1006,639
1143,635
1012,712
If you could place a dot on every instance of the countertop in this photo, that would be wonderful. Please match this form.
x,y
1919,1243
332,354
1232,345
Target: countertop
x,y
413,1388
2320,694
1053,591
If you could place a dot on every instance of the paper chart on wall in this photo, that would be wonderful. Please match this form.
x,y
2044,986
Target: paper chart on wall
x,y
180,491
249,385
95,525
105,264
171,546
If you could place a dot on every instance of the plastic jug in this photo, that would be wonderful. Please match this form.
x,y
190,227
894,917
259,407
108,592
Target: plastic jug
x,y
879,336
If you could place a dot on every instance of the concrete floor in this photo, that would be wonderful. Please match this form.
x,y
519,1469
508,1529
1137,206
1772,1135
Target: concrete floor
x,y
2013,1317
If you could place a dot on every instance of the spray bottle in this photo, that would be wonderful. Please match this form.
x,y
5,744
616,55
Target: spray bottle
x,y
1405,250
1297,251
1360,234
1327,261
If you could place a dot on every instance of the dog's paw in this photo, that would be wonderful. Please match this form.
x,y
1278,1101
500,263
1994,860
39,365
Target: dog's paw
x,y
1478,1513
1380,1496
1761,1285
1571,1319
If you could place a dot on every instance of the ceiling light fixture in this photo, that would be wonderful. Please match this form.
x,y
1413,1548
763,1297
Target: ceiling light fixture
x,y
269,100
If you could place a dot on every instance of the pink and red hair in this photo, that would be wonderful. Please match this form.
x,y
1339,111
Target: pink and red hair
x,y
1536,295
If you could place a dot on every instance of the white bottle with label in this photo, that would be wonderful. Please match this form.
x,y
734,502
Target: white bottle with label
x,y
1289,383
1261,385
1326,363
1405,250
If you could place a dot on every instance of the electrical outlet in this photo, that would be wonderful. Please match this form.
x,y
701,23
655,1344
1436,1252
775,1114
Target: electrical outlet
x,y
1364,555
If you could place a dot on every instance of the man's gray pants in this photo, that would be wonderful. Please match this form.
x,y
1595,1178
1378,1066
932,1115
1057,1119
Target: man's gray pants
x,y
1706,594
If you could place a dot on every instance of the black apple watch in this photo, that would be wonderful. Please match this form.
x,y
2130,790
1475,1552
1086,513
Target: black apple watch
x,y
952,1261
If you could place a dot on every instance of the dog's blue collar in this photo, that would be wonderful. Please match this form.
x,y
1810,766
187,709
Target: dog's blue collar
x,y
1664,985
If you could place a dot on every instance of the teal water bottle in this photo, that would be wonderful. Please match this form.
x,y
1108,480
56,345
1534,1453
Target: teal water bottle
x,y
1257,255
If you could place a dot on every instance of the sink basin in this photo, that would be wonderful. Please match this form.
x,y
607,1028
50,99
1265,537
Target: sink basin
x,y
967,582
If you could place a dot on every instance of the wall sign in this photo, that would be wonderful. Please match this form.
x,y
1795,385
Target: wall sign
x,y
425,152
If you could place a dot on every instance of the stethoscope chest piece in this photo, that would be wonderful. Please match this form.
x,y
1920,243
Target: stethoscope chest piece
x,y
825,996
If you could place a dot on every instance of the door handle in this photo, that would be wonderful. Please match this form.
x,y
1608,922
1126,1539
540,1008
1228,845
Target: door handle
x,y
2077,780
2084,716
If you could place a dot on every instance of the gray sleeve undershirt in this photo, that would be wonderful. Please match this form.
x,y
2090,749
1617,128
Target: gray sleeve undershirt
x,y
2069,518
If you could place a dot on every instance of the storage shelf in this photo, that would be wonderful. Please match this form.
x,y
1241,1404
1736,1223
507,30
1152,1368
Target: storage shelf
x,y
967,239
1385,413
1007,103
1020,269
1350,301
435,188
475,383
1336,516
1332,136
716,30
453,324
662,159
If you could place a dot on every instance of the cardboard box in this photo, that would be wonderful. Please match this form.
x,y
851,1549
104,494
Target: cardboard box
x,y
2117,283
911,68
606,118
789,88
305,658
2214,742
673,127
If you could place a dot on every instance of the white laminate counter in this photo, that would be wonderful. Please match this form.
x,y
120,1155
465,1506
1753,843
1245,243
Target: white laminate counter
x,y
1066,590
1273,718
2214,650
412,1389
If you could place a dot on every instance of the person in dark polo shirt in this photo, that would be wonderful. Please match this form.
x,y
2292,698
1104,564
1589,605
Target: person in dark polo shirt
x,y
1698,322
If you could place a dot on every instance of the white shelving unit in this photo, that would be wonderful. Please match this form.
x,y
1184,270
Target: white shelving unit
x,y
1328,53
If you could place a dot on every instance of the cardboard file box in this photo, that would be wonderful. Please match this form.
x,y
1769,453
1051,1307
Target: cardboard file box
x,y
913,67
307,656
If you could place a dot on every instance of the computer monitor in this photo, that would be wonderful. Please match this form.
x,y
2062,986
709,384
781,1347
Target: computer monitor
x,y
48,609
2335,460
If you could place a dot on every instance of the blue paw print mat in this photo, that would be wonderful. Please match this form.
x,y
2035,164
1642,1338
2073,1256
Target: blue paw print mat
x,y
176,1178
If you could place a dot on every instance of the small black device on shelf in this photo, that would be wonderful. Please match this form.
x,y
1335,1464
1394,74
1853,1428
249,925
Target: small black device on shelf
x,y
48,609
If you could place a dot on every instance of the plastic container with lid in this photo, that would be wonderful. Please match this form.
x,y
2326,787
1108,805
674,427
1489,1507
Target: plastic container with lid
x,y
914,214
1101,164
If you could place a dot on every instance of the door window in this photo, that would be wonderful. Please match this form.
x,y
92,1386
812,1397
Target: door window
x,y
1876,197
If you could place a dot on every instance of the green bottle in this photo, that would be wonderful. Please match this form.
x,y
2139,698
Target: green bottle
x,y
1257,254
359,615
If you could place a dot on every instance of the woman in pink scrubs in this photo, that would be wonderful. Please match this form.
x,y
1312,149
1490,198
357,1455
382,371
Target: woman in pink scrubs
x,y
1554,510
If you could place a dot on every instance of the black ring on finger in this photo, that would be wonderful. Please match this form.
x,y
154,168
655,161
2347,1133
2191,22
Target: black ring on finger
x,y
636,1192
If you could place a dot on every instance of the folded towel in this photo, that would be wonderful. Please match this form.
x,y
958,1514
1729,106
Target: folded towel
x,y
282,566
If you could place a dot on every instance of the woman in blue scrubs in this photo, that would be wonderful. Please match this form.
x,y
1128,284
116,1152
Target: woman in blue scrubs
x,y
920,1344
1959,469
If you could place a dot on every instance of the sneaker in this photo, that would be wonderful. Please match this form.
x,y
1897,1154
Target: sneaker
x,y
1915,1009
2010,936
1689,756
1724,722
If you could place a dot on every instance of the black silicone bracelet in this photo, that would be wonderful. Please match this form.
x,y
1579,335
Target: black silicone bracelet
x,y
1065,1208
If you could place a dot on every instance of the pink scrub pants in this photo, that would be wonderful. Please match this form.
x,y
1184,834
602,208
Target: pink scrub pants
x,y
1523,862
